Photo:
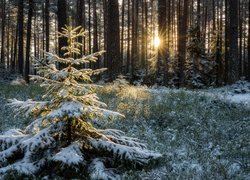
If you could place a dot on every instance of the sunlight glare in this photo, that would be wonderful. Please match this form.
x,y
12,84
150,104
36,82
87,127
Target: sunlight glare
x,y
157,42
120,2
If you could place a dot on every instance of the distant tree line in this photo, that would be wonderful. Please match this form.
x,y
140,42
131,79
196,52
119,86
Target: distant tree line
x,y
202,42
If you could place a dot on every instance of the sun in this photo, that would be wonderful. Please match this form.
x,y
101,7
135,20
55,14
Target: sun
x,y
157,42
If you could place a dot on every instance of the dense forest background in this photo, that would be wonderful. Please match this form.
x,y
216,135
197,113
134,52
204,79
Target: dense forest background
x,y
170,97
194,43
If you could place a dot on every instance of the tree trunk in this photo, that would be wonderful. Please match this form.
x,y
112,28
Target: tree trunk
x,y
79,20
240,37
27,62
15,49
199,19
62,21
134,52
226,72
20,36
8,40
122,33
248,42
3,31
113,39
182,36
128,39
233,41
95,37
47,19
13,39
89,26
162,33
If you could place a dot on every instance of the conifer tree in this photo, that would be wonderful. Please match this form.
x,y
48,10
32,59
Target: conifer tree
x,y
62,139
200,66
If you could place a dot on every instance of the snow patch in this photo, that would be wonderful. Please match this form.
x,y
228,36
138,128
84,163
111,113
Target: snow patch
x,y
99,171
70,155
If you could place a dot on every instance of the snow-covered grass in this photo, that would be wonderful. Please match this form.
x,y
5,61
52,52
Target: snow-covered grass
x,y
201,134
20,92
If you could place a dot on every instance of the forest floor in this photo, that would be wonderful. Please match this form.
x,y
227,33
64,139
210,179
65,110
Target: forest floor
x,y
202,134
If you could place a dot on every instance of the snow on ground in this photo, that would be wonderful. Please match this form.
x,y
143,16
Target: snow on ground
x,y
202,134
239,98
238,93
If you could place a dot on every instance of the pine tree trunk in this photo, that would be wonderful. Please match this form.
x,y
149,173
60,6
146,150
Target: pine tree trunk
x,y
134,50
199,19
12,62
214,21
226,73
20,36
162,33
8,41
47,24
95,36
27,62
15,63
62,21
240,38
182,36
233,41
128,40
43,30
113,42
34,34
248,42
89,27
79,20
3,31
105,19
122,33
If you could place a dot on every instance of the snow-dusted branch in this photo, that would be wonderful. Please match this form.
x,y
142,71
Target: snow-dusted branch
x,y
28,107
62,135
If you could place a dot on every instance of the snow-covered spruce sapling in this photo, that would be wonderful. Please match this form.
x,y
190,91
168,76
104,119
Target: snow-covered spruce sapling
x,y
62,135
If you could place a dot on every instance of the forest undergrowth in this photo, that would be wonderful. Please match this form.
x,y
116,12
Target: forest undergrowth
x,y
200,134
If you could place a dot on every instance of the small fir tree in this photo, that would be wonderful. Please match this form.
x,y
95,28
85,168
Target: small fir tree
x,y
217,54
62,138
200,67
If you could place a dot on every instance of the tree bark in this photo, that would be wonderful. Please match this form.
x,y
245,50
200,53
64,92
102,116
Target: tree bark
x,y
122,33
240,37
3,31
95,35
248,42
182,36
162,33
113,39
233,41
47,24
62,21
27,62
20,36
134,50
128,39
79,20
